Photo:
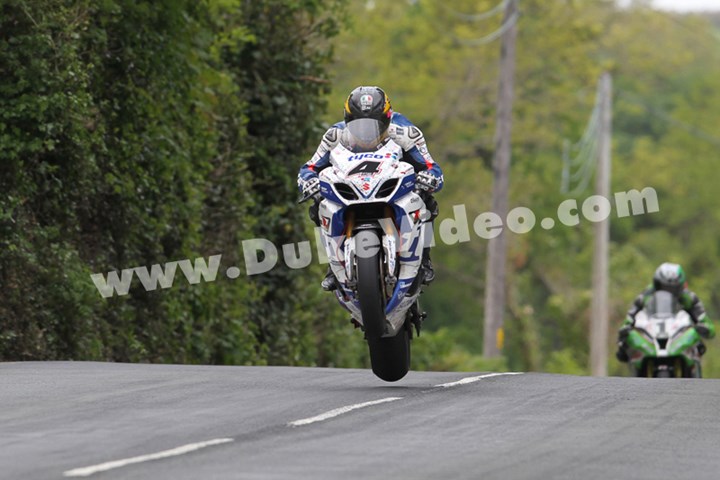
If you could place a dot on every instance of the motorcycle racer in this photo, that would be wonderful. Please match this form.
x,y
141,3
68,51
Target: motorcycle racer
x,y
373,103
669,277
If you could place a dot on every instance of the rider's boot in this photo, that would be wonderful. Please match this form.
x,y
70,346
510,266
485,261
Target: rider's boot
x,y
330,282
621,354
427,267
416,317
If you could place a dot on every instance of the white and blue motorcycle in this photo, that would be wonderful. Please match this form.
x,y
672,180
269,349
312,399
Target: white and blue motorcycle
x,y
373,226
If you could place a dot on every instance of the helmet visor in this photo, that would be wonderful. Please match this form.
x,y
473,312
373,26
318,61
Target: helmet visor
x,y
364,134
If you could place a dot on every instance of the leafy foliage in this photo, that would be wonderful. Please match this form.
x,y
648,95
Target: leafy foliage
x,y
665,74
135,133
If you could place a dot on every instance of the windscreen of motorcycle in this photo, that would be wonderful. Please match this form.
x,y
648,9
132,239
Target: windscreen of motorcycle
x,y
662,304
364,135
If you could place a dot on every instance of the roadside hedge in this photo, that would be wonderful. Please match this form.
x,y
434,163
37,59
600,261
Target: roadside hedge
x,y
134,133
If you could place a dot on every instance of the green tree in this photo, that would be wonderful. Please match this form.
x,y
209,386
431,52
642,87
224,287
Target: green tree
x,y
136,133
664,109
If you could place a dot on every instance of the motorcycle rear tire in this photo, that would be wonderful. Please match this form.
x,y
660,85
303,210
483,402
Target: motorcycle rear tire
x,y
389,356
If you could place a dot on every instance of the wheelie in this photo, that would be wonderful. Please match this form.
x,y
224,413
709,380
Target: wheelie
x,y
371,181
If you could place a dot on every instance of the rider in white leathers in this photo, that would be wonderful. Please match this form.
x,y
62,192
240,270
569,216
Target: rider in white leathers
x,y
372,102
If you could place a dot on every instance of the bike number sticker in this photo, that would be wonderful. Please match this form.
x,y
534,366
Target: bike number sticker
x,y
366,168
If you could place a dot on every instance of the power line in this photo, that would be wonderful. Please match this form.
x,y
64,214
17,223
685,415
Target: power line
x,y
706,35
477,17
688,127
508,22
584,174
476,42
587,151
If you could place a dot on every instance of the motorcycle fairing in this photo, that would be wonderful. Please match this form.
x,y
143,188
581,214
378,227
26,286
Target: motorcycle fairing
x,y
403,236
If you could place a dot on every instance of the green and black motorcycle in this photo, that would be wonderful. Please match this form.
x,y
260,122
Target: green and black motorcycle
x,y
664,342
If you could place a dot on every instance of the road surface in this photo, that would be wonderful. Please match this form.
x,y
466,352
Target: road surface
x,y
123,421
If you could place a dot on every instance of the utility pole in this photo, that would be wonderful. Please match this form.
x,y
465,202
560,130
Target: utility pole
x,y
497,247
599,309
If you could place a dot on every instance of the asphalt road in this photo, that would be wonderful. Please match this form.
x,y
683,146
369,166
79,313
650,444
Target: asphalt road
x,y
289,423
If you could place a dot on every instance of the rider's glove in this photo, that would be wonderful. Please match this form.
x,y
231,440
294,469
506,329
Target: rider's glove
x,y
311,188
426,181
702,330
624,332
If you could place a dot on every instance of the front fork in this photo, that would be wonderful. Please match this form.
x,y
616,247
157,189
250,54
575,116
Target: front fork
x,y
389,256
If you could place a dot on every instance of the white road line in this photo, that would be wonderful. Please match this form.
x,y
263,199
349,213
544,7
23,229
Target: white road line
x,y
340,411
191,447
467,380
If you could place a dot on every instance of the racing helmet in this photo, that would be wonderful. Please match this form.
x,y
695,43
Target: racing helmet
x,y
669,277
368,102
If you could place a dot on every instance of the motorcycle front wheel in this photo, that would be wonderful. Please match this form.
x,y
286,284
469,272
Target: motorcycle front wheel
x,y
389,356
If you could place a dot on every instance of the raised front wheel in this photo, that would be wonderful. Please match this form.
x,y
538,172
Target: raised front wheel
x,y
389,356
